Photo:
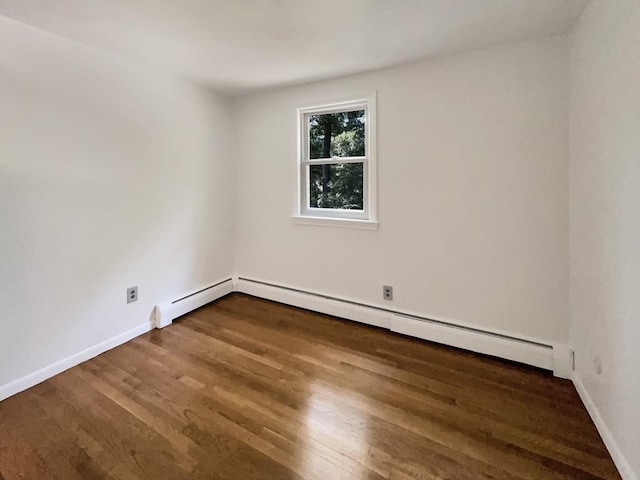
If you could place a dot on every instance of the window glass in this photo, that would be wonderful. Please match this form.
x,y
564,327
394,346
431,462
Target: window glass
x,y
336,185
337,134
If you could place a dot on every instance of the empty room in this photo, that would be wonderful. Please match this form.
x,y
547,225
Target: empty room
x,y
320,239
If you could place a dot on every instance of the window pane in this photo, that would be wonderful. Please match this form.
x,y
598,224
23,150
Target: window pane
x,y
337,134
336,186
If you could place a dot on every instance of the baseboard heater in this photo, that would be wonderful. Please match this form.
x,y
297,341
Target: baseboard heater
x,y
165,313
488,343
531,352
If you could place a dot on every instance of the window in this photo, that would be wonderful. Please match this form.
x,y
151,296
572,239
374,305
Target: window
x,y
336,164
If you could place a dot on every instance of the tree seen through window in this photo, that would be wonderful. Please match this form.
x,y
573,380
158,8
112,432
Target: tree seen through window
x,y
337,185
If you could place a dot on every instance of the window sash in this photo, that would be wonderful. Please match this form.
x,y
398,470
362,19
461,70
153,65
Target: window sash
x,y
305,200
306,153
335,160
307,209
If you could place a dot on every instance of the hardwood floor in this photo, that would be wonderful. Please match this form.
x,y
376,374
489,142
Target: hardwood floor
x,y
249,389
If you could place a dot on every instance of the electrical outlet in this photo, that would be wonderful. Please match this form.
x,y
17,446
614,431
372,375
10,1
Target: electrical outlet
x,y
132,294
387,292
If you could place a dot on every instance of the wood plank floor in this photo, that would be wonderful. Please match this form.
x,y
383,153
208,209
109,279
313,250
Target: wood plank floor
x,y
249,389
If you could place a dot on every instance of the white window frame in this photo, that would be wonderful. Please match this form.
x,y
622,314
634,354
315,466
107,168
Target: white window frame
x,y
365,218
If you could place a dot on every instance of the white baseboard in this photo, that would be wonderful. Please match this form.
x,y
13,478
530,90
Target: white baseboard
x,y
616,454
557,357
525,351
49,371
510,349
167,312
316,303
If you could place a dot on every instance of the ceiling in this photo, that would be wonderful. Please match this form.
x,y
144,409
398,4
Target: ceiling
x,y
239,45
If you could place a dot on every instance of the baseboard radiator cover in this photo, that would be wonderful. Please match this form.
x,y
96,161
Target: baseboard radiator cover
x,y
480,342
530,352
550,357
165,313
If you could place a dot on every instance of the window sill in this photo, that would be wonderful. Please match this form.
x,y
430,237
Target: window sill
x,y
335,222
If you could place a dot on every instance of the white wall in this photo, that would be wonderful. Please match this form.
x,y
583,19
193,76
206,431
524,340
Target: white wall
x,y
111,176
473,201
605,219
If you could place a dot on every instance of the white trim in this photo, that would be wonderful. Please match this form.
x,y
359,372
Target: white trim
x,y
335,222
334,160
510,349
60,366
371,169
166,312
352,103
562,361
369,161
324,305
171,311
450,333
518,349
622,464
457,334
405,312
